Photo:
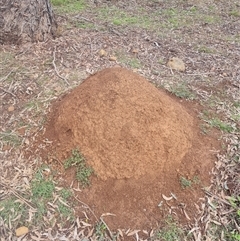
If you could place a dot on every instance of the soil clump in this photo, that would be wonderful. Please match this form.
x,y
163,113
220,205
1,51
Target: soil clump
x,y
140,143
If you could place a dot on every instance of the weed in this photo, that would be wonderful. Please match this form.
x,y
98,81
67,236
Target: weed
x,y
134,63
234,13
32,105
236,104
42,188
83,172
74,160
65,211
185,183
10,138
100,230
12,208
130,61
65,193
206,50
182,91
196,180
234,236
204,129
210,19
170,232
216,122
161,61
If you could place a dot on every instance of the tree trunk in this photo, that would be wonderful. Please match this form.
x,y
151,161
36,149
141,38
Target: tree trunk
x,y
26,21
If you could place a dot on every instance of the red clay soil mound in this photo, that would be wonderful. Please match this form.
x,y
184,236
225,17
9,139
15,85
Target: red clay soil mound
x,y
138,140
123,125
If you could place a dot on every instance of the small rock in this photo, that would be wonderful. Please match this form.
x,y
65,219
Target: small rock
x,y
21,231
102,53
176,63
112,58
58,89
11,108
134,51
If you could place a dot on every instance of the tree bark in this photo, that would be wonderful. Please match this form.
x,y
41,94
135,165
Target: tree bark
x,y
26,21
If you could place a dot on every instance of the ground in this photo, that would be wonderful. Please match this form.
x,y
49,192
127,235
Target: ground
x,y
143,37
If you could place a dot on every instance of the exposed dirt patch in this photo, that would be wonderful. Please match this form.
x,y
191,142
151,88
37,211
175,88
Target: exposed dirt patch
x,y
139,141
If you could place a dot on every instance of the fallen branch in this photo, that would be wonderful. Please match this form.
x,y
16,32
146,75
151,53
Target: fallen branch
x,y
55,67
8,92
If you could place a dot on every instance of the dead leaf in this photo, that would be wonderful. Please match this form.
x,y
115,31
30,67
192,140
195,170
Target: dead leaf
x,y
133,232
11,108
21,231
166,198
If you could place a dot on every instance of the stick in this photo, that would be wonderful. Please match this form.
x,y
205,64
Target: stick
x,y
8,92
87,208
55,67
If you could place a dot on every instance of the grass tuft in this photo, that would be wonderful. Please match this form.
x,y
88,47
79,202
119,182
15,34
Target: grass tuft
x,y
170,232
69,6
83,171
182,91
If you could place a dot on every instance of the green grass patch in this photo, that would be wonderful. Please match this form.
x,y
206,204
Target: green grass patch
x,y
130,61
100,230
234,236
170,232
65,193
205,49
42,189
234,13
187,183
223,126
12,208
120,17
69,6
84,25
83,171
10,138
182,91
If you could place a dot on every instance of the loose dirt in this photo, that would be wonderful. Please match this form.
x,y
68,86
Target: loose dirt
x,y
140,141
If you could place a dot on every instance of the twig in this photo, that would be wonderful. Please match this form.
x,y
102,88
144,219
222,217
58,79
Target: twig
x,y
55,67
111,235
21,198
87,208
8,92
18,196
215,196
4,78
